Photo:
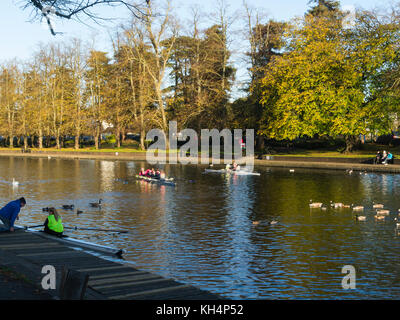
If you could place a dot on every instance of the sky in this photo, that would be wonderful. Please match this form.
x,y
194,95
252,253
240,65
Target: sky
x,y
20,36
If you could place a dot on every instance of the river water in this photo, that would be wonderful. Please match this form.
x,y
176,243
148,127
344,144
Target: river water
x,y
201,231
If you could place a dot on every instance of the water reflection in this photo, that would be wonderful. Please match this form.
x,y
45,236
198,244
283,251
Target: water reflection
x,y
201,232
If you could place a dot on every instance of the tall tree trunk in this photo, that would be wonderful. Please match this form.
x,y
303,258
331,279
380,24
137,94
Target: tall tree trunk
x,y
118,136
352,143
76,139
40,138
142,137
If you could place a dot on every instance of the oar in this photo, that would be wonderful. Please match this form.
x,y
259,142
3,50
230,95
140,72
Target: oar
x,y
39,225
93,229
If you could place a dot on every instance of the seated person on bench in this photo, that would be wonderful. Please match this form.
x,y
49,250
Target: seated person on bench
x,y
378,158
389,159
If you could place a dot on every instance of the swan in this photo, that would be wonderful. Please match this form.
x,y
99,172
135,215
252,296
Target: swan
x,y
361,218
378,206
379,217
358,208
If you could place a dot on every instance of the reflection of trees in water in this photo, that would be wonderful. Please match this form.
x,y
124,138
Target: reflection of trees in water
x,y
107,175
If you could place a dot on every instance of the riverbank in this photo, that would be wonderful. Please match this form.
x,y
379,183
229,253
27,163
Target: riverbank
x,y
359,163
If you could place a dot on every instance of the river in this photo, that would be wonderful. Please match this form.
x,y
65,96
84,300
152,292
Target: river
x,y
201,231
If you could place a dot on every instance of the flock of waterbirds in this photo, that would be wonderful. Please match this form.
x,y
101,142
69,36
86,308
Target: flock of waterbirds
x,y
72,207
380,212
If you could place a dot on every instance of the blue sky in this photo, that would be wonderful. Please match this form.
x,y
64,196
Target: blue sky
x,y
20,36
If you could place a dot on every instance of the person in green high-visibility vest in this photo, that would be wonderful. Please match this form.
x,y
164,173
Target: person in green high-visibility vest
x,y
53,224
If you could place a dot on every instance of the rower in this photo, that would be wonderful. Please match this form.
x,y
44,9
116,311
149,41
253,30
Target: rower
x,y
53,224
147,173
235,166
141,173
157,174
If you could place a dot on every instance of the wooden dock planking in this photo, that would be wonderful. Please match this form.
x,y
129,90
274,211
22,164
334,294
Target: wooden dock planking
x,y
107,279
148,292
113,275
114,280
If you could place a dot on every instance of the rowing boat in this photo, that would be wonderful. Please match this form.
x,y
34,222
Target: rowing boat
x,y
168,182
71,242
215,171
239,173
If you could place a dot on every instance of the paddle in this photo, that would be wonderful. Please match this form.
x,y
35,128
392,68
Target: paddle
x,y
39,225
94,229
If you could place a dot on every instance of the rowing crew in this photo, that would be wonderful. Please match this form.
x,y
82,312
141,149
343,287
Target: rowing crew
x,y
234,167
151,173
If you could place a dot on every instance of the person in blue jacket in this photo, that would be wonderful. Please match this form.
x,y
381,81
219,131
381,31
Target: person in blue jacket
x,y
10,212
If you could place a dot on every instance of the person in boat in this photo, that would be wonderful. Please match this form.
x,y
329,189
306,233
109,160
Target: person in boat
x,y
235,166
147,173
228,167
9,213
162,175
141,172
53,224
157,174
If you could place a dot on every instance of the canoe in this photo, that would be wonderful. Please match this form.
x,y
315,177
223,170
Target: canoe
x,y
167,182
75,243
246,173
238,173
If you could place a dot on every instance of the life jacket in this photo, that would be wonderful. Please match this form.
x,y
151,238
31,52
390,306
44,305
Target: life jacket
x,y
55,225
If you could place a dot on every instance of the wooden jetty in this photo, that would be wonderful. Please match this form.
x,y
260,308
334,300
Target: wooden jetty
x,y
27,252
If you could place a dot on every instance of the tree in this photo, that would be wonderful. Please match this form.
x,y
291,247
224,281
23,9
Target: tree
x,y
325,85
156,30
266,40
137,57
97,78
9,97
77,64
324,7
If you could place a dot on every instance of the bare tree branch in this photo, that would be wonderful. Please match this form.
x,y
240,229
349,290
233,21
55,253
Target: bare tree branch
x,y
69,9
